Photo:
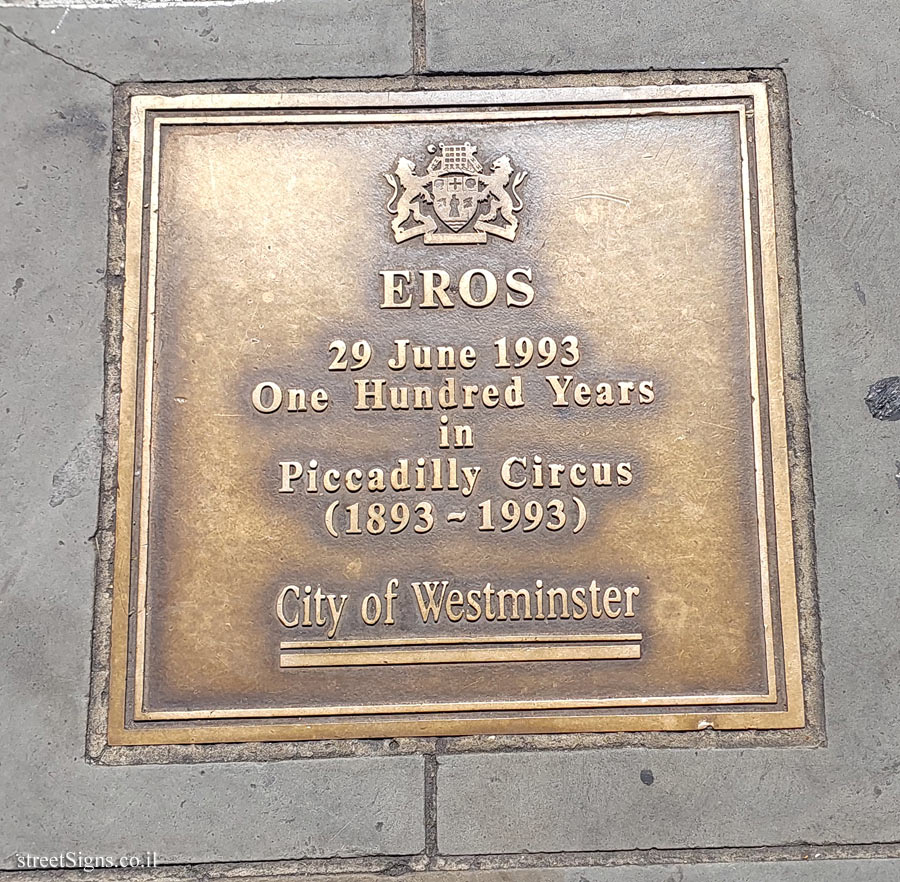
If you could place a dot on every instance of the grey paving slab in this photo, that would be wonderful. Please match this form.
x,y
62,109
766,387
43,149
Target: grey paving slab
x,y
842,74
596,801
55,143
292,38
467,36
877,870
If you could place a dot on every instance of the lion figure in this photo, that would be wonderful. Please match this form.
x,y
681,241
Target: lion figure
x,y
501,200
409,187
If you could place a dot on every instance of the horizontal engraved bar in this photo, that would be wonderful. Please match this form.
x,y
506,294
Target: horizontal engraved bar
x,y
452,656
460,641
413,100
449,116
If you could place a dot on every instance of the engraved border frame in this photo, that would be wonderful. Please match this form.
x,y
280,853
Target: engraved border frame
x,y
442,722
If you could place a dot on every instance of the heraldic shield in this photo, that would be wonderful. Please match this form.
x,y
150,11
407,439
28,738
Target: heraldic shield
x,y
455,199
441,204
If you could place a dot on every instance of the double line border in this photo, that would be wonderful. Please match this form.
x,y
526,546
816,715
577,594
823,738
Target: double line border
x,y
225,109
306,654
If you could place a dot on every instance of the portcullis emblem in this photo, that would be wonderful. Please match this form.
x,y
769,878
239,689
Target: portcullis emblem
x,y
455,202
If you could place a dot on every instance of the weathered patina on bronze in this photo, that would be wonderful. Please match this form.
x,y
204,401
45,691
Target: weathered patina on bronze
x,y
452,412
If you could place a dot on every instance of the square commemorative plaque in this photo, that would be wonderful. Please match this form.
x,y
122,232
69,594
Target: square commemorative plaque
x,y
452,412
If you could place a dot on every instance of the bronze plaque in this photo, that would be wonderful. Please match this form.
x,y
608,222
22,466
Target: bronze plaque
x,y
452,412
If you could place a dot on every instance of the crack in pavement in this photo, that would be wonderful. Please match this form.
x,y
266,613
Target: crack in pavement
x,y
50,54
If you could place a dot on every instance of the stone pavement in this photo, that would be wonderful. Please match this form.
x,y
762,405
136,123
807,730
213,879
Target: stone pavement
x,y
520,811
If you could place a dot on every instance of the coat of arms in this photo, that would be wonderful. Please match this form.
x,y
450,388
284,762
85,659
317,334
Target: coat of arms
x,y
441,204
